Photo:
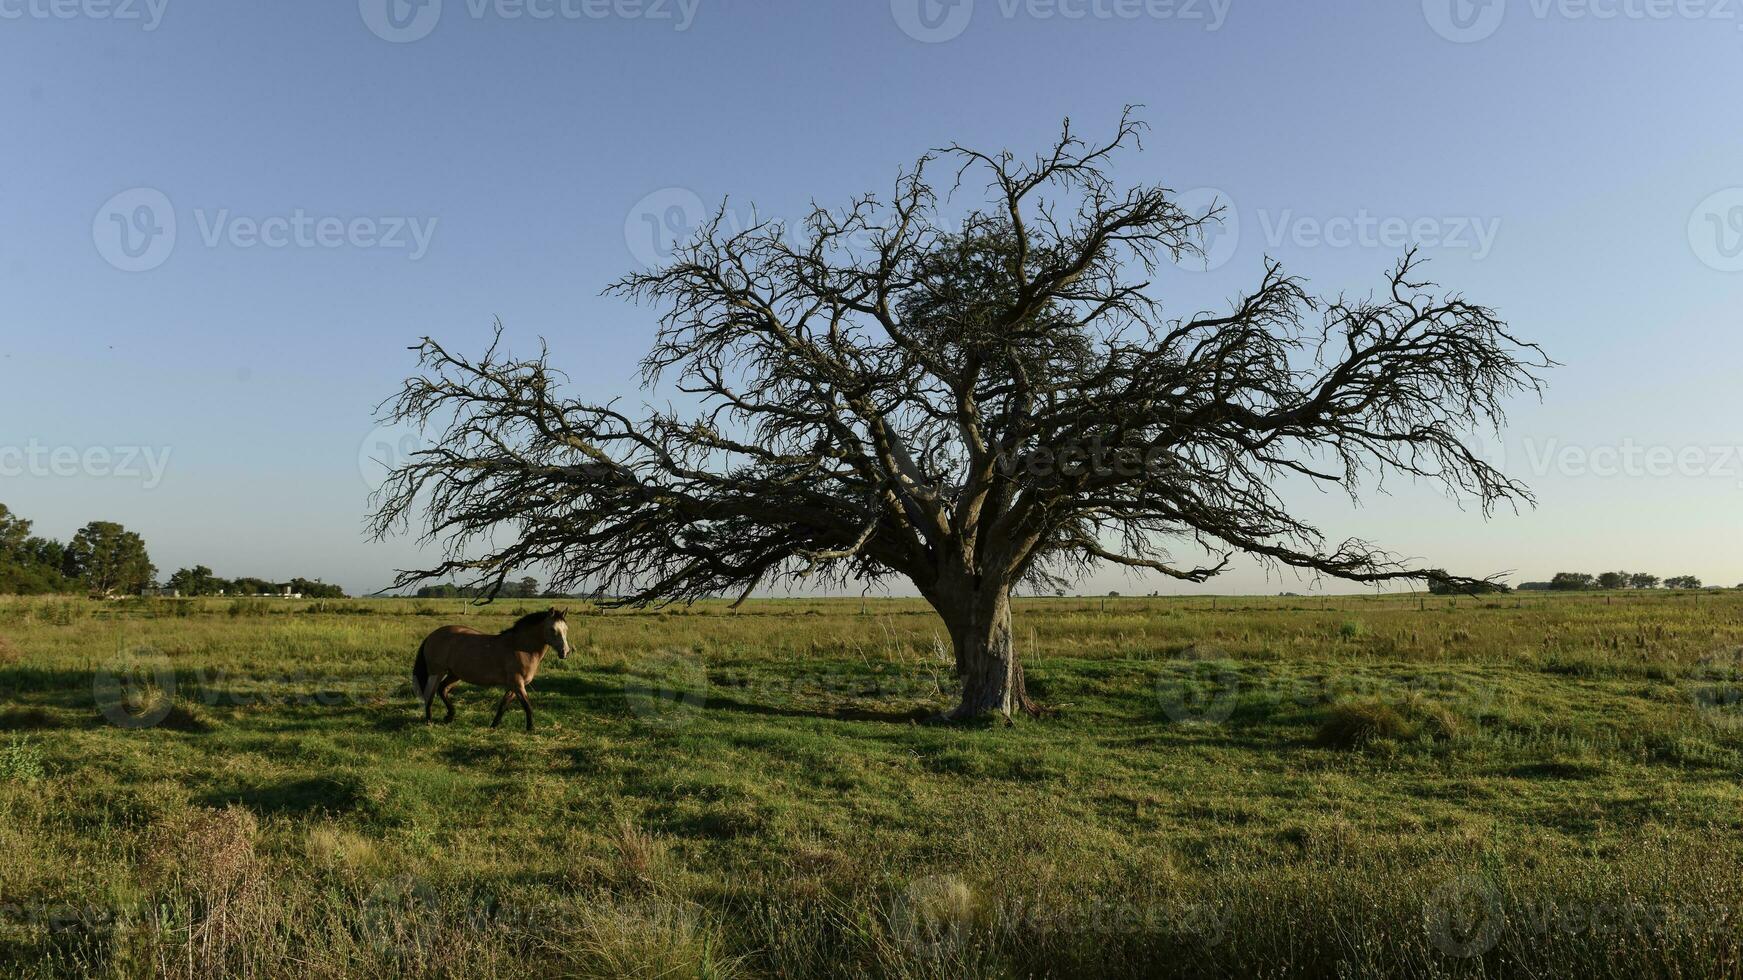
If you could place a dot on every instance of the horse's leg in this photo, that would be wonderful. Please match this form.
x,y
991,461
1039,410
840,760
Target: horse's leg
x,y
520,691
429,696
446,690
502,706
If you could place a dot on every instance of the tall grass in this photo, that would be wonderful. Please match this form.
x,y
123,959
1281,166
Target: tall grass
x,y
1512,786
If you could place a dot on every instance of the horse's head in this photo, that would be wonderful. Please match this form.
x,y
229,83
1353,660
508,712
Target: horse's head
x,y
557,633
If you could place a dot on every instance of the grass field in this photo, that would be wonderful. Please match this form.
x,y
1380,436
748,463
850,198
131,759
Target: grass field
x,y
1348,787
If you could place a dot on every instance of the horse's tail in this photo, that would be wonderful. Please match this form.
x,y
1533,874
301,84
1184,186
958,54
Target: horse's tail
x,y
421,674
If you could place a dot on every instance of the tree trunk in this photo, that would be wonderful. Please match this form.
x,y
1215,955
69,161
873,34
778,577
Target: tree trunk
x,y
987,661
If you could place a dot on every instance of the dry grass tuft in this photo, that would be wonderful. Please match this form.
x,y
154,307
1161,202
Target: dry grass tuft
x,y
648,940
1355,725
639,855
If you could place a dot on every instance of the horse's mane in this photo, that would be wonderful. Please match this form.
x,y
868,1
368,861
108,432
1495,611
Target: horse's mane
x,y
528,620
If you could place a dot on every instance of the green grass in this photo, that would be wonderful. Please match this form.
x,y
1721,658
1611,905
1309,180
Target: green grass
x,y
1348,787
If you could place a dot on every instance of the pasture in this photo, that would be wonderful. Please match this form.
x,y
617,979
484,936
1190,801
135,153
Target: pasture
x,y
1346,787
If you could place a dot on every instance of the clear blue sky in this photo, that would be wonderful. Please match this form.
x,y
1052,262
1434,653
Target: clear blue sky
x,y
1565,164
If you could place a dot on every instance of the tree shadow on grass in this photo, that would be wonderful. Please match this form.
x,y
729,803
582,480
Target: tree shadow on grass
x,y
33,720
715,702
297,797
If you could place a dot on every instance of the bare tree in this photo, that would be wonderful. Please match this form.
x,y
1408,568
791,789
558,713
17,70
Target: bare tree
x,y
973,407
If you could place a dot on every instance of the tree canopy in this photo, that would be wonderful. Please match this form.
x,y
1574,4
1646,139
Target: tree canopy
x,y
969,405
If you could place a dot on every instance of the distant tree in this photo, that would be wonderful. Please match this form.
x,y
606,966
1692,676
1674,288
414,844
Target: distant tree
x,y
1572,582
108,558
448,590
14,532
526,588
1614,580
28,565
198,580
1535,586
1641,580
315,589
1682,582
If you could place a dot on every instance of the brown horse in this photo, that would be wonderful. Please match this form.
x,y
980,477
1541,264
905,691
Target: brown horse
x,y
509,659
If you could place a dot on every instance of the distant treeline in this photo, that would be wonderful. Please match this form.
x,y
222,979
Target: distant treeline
x,y
107,559
1441,583
526,588
1607,581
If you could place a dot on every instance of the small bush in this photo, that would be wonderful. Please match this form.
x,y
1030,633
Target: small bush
x,y
1356,725
1349,629
20,761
